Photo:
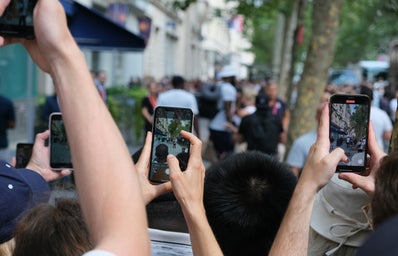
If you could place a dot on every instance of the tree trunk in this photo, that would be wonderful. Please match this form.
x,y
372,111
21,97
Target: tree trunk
x,y
300,25
326,14
284,77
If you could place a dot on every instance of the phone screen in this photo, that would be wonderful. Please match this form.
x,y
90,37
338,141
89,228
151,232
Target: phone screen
x,y
17,19
168,123
23,154
349,122
60,156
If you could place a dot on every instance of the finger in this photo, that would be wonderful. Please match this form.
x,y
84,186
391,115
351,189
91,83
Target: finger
x,y
65,172
336,156
13,161
174,166
366,183
3,6
143,161
196,147
323,129
44,135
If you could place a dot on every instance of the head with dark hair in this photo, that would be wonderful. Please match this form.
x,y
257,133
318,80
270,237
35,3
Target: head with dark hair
x,y
245,198
367,91
161,152
53,230
385,199
262,101
178,82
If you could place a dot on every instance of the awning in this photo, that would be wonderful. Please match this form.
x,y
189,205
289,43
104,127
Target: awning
x,y
91,29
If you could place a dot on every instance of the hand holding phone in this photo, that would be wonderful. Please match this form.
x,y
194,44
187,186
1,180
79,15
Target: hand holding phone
x,y
60,156
168,123
349,123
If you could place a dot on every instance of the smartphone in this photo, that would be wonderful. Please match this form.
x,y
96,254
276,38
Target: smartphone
x,y
60,156
23,154
349,124
166,139
17,19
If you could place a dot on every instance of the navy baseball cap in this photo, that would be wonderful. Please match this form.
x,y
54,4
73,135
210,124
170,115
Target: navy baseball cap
x,y
20,190
383,241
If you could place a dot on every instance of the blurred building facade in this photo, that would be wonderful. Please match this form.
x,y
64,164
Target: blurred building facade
x,y
194,43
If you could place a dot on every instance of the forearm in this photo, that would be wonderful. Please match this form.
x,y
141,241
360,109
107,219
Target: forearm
x,y
202,238
292,236
106,182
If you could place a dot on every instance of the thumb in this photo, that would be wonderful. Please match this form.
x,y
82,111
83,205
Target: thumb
x,y
13,161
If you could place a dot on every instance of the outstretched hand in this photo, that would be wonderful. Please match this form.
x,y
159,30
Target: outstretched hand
x,y
149,191
40,159
321,165
188,185
366,180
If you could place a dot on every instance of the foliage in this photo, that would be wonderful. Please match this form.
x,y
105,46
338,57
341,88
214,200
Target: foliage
x,y
366,30
125,107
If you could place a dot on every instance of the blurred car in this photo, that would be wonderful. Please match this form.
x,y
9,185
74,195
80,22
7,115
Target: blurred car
x,y
341,77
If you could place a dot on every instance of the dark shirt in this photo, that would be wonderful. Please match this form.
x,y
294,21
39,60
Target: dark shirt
x,y
261,131
279,108
50,106
146,103
7,114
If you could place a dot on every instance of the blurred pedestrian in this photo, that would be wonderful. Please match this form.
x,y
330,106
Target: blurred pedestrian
x,y
100,79
51,105
220,134
148,105
179,97
278,108
261,130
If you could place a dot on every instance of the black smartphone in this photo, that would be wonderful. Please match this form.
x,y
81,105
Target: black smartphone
x,y
17,19
349,124
23,154
166,139
60,156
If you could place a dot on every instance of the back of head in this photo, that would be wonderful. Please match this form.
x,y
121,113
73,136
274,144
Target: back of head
x,y
385,198
245,198
52,230
178,82
367,91
262,101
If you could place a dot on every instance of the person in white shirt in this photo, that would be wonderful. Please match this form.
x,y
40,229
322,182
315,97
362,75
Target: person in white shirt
x,y
178,97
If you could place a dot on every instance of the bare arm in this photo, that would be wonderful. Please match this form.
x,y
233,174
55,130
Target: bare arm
x,y
108,189
188,188
293,234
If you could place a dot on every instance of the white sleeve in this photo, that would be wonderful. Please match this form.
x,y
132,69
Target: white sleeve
x,y
98,253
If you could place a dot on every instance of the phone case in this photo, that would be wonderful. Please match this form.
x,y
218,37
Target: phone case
x,y
349,122
166,139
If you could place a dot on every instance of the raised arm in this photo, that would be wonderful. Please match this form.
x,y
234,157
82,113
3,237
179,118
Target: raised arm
x,y
292,237
108,189
188,188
